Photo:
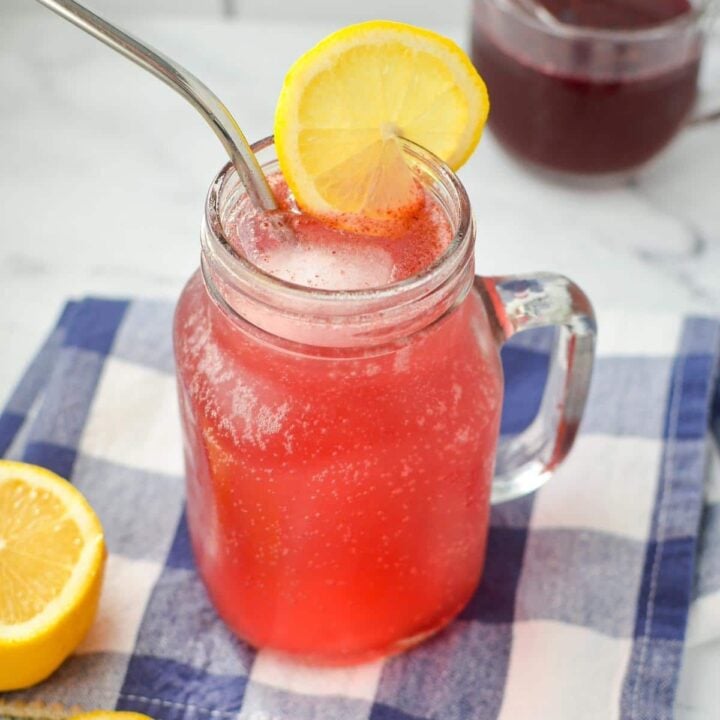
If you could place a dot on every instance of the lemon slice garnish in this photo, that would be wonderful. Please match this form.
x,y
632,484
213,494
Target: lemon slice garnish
x,y
346,103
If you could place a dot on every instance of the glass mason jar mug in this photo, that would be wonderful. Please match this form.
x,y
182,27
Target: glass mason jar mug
x,y
340,445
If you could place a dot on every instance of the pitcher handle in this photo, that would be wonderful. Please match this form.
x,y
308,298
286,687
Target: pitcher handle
x,y
516,303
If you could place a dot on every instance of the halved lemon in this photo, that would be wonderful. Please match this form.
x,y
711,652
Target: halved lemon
x,y
52,555
346,102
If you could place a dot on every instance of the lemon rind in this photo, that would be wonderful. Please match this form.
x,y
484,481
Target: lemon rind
x,y
322,56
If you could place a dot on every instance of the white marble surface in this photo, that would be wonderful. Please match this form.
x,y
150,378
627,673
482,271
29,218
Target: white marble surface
x,y
103,173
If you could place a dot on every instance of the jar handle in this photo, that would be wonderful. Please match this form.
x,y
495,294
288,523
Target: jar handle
x,y
516,303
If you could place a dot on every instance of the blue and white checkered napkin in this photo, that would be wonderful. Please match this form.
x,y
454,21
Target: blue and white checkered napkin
x,y
583,607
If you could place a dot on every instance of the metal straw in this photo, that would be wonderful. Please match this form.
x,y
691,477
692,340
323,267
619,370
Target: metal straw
x,y
185,83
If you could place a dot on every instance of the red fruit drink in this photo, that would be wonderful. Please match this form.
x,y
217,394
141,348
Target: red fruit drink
x,y
338,479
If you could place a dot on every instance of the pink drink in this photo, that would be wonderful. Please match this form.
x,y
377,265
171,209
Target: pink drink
x,y
330,258
338,489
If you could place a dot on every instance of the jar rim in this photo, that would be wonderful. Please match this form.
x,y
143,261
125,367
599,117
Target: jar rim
x,y
216,242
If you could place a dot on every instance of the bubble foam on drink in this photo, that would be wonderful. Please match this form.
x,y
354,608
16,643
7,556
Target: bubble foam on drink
x,y
331,268
307,251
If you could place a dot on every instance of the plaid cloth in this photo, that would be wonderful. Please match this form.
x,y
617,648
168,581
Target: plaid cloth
x,y
583,606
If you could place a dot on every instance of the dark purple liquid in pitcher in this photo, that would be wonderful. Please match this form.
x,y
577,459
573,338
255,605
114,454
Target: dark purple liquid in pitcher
x,y
578,123
616,14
